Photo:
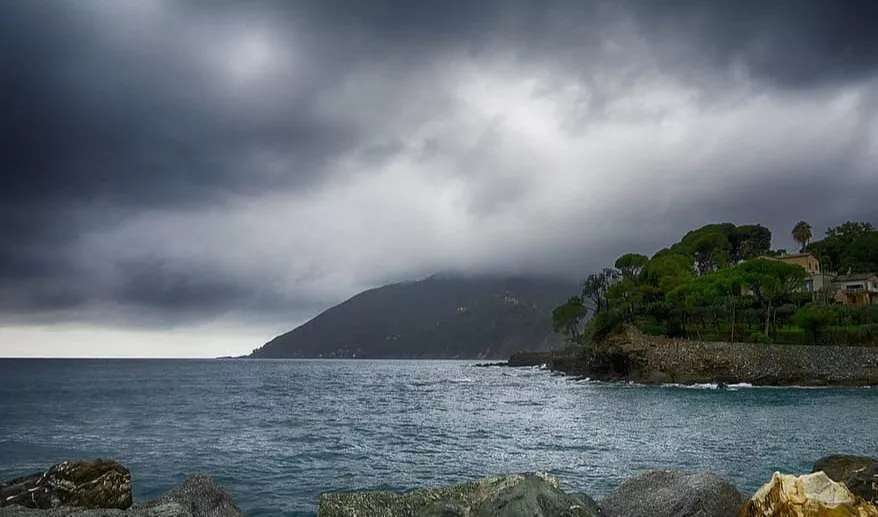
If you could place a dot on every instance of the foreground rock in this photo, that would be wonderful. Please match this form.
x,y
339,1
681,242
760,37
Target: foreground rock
x,y
513,495
97,483
664,493
198,496
811,495
858,473
864,483
839,466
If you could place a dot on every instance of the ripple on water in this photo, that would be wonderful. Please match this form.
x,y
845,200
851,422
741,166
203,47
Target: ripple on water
x,y
278,433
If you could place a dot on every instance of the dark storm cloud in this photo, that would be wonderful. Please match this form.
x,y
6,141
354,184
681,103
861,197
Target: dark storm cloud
x,y
790,42
241,124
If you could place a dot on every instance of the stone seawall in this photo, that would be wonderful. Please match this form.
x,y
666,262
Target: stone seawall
x,y
663,360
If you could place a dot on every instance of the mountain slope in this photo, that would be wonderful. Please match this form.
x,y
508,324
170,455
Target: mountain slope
x,y
443,316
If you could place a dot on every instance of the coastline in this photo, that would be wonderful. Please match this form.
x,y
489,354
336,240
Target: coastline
x,y
631,356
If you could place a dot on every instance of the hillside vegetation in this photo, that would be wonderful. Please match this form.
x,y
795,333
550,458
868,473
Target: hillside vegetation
x,y
715,284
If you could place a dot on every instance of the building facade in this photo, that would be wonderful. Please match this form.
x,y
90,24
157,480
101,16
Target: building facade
x,y
859,289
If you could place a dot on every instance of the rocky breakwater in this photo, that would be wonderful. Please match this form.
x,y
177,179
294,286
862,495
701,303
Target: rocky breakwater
x,y
657,493
102,488
630,355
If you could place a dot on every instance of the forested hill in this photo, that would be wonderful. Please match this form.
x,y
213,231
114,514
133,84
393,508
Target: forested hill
x,y
443,316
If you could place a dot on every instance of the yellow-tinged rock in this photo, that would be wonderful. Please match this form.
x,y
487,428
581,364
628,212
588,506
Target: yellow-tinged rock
x,y
812,495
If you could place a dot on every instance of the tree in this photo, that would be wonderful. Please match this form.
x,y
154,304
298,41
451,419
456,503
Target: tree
x,y
630,264
667,271
850,247
770,282
750,241
709,246
814,319
802,235
850,230
567,318
596,285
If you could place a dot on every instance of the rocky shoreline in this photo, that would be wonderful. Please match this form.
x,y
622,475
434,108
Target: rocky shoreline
x,y
839,486
631,356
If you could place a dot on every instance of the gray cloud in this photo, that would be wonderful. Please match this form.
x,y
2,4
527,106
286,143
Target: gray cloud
x,y
167,163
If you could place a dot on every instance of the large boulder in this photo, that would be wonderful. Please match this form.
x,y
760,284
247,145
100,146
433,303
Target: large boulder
x,y
811,495
96,483
839,466
198,496
864,483
669,493
512,495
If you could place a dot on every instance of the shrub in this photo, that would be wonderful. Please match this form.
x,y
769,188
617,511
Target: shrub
x,y
760,337
653,329
790,336
602,325
814,319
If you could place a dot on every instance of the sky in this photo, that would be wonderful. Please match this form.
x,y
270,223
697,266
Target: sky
x,y
191,178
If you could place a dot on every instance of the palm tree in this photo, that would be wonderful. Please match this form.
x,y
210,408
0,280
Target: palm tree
x,y
802,234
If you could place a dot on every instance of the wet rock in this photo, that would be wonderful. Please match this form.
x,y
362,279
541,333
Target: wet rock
x,y
864,483
512,495
664,493
198,496
839,466
811,495
97,483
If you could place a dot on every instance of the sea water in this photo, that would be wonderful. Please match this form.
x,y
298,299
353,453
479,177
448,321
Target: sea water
x,y
278,433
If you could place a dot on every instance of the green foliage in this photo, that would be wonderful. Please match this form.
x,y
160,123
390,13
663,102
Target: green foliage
x,y
850,230
630,264
715,284
850,247
814,319
602,325
567,318
715,246
760,337
596,285
771,281
750,241
653,329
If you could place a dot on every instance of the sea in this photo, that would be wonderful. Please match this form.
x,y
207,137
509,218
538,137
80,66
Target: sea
x,y
278,433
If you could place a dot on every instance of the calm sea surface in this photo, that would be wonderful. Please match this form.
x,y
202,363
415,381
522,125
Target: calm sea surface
x,y
278,433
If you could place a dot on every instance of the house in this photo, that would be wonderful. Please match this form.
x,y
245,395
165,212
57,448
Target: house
x,y
816,280
850,289
856,289
808,261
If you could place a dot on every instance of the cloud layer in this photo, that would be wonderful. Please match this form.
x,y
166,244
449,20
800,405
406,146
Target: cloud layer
x,y
172,164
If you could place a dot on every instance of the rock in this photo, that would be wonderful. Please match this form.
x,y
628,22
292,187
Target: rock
x,y
663,493
96,483
864,483
839,466
811,495
512,495
198,496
